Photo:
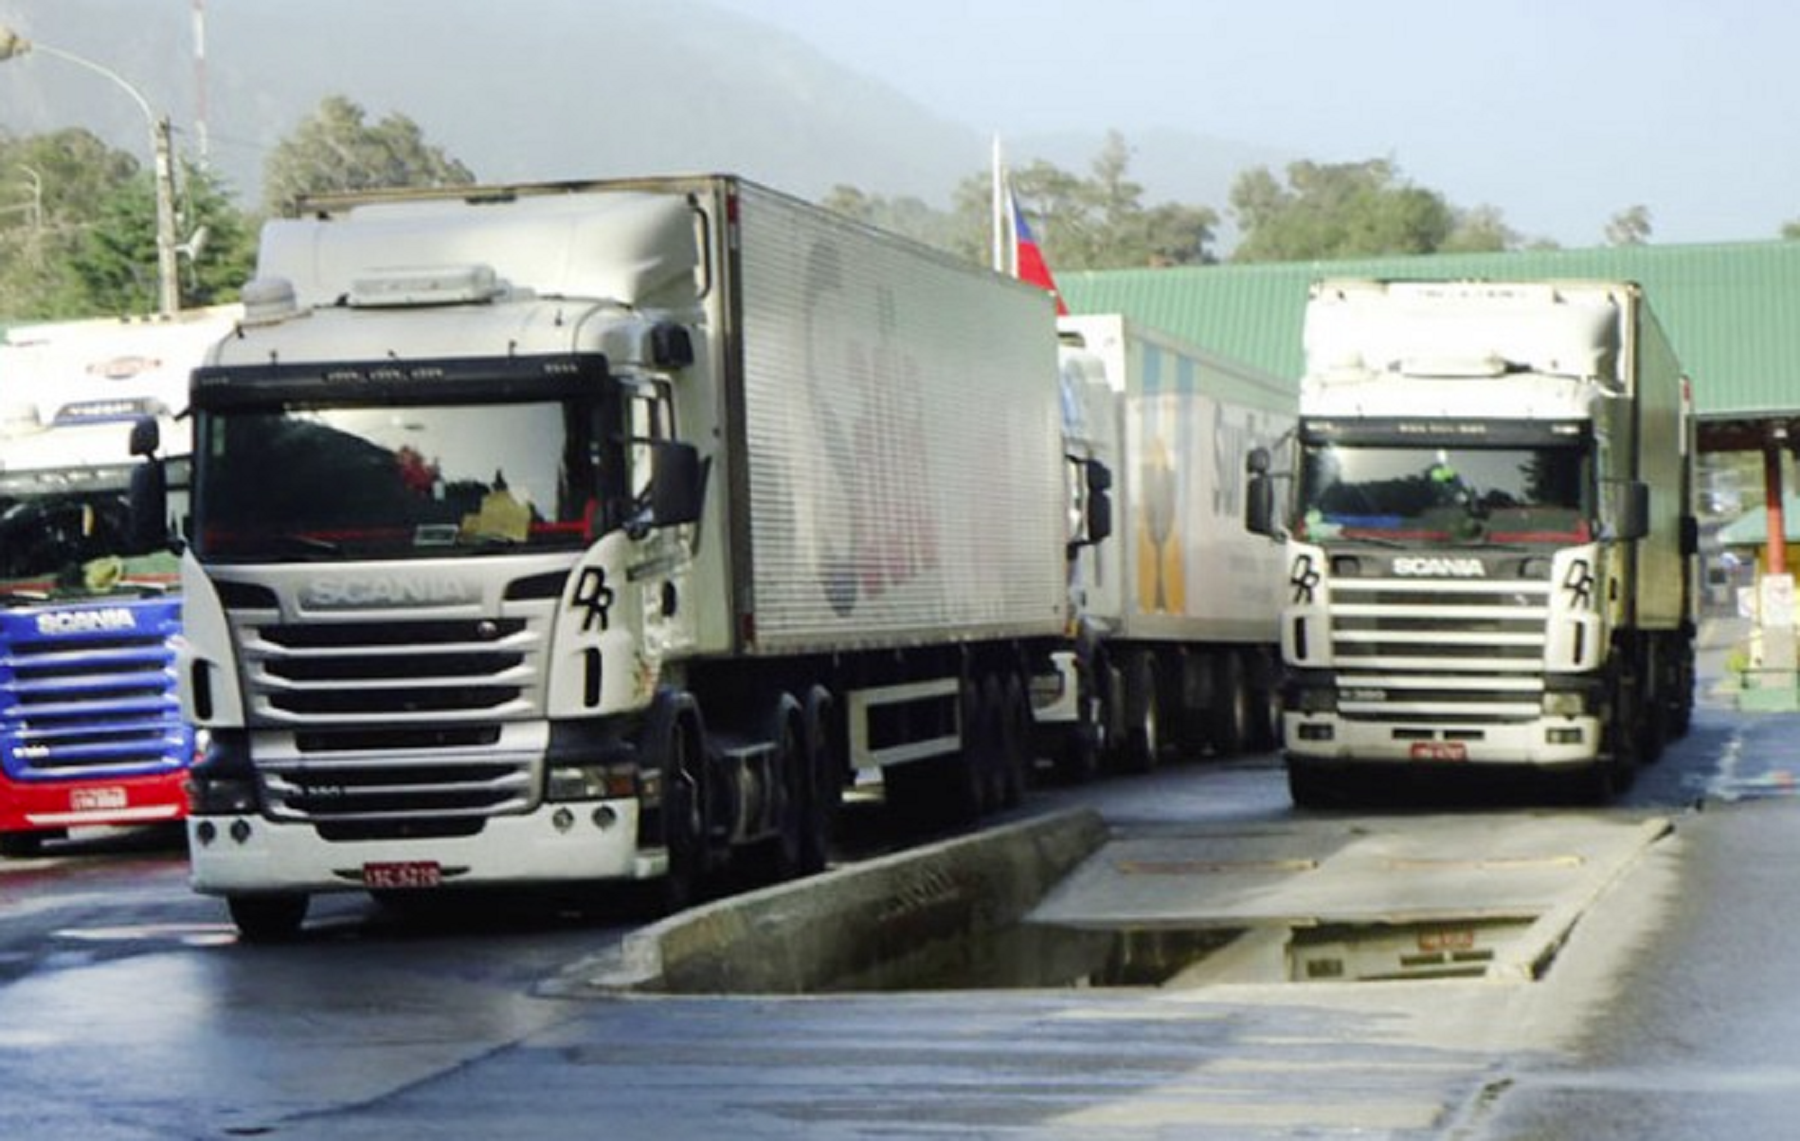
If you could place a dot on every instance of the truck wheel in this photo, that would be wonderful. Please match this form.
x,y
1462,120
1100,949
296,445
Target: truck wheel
x,y
267,918
1309,787
1653,724
1013,720
788,786
1232,708
825,768
20,845
1142,746
1265,701
684,823
972,773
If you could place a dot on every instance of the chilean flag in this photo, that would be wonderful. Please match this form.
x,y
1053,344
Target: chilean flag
x,y
1028,259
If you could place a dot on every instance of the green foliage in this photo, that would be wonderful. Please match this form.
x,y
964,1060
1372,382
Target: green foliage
x,y
115,261
336,150
51,190
1629,227
1098,222
1337,210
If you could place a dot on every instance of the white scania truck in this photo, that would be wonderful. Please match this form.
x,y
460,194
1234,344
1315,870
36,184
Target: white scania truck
x,y
1177,616
602,531
1489,534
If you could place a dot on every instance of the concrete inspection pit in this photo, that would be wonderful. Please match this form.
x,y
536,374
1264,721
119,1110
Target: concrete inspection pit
x,y
1033,956
1064,902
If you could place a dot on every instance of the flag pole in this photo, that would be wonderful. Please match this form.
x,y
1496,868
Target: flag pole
x,y
998,219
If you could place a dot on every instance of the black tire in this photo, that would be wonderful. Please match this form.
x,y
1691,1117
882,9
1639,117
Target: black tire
x,y
683,813
971,777
826,766
1141,748
274,918
1312,787
1232,712
1265,697
791,765
1653,723
1013,713
20,845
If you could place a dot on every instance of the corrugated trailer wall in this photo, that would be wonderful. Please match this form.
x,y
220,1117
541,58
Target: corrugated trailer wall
x,y
1665,455
904,452
1193,573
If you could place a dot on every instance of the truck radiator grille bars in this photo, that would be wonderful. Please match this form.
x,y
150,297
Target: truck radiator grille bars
x,y
1439,651
385,672
395,721
99,705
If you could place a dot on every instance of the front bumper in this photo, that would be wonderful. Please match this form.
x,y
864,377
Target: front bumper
x,y
1550,742
557,843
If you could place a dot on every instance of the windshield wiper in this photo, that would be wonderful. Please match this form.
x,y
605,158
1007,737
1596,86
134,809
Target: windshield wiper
x,y
309,545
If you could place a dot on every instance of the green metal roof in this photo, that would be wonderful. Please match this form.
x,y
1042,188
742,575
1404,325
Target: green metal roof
x,y
1732,311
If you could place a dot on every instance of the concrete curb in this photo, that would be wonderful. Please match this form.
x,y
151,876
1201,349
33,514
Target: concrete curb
x,y
827,932
1537,948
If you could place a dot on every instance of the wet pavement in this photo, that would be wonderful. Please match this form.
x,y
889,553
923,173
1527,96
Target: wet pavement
x,y
1668,1011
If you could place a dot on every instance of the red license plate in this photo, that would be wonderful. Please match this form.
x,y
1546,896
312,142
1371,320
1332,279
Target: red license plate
x,y
1440,751
403,874
96,799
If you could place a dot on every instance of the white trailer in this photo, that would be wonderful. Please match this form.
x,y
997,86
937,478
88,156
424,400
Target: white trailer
x,y
1490,542
1176,616
602,531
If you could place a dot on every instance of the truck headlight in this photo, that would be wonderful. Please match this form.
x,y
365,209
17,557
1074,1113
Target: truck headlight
x,y
590,782
1567,703
216,796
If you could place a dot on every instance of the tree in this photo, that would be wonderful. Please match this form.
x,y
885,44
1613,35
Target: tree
x,y
336,150
51,188
115,260
1342,210
1098,222
1478,231
1629,227
908,216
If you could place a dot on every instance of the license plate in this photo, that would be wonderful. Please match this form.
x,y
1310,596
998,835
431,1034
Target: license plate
x,y
96,799
1440,751
403,874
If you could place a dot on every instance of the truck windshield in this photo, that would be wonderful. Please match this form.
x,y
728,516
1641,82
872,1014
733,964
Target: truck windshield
x,y
63,534
397,481
1439,494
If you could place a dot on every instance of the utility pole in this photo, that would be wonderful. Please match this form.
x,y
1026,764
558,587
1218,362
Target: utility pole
x,y
162,159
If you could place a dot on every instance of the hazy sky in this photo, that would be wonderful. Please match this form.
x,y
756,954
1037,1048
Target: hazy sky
x,y
1561,113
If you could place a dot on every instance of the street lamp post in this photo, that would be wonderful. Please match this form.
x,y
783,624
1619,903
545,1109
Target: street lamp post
x,y
162,156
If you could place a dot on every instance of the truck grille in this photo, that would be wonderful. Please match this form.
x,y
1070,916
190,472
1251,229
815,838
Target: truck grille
x,y
348,788
1440,651
393,727
81,705
393,672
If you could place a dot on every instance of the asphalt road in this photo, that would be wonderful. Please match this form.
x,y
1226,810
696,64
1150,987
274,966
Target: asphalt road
x,y
127,1010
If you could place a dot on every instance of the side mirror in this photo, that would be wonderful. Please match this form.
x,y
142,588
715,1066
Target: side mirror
x,y
146,436
148,501
1259,504
677,484
1099,500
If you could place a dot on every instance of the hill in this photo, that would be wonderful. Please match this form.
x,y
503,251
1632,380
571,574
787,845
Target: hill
x,y
536,89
